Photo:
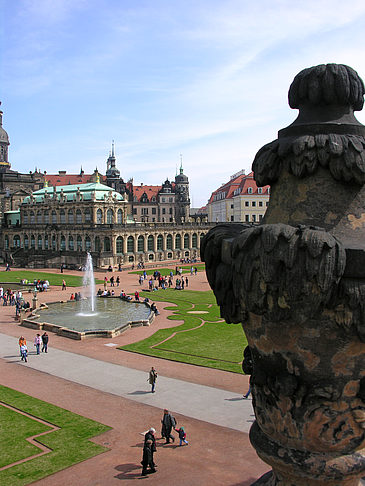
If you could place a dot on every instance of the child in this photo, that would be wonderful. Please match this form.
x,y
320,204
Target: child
x,y
24,352
182,435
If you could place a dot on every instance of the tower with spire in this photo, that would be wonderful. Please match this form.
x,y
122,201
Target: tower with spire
x,y
4,144
182,195
113,178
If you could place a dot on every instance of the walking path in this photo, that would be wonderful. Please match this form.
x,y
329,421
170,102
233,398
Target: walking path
x,y
212,405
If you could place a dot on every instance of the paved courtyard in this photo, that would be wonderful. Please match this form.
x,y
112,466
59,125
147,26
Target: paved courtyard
x,y
95,379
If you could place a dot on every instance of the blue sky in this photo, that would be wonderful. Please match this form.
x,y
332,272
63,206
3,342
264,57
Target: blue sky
x,y
208,79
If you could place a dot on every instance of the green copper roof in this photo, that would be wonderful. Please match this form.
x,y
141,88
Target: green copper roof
x,y
70,191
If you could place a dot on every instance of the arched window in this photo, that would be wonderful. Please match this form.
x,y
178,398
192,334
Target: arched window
x,y
119,244
120,216
62,216
159,242
46,217
46,242
249,190
194,241
178,242
78,216
54,217
79,243
186,240
16,241
201,237
39,243
150,242
87,215
70,216
97,243
259,190
32,241
54,243
109,216
6,242
26,242
63,243
87,243
31,217
99,216
140,243
25,217
39,217
106,243
70,243
130,244
168,242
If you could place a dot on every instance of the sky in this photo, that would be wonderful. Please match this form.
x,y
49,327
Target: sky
x,y
207,79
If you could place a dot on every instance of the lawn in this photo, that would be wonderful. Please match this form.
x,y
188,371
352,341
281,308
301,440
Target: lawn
x,y
70,444
202,339
54,278
166,271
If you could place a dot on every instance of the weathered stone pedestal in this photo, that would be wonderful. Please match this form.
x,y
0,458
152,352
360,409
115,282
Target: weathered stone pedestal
x,y
297,284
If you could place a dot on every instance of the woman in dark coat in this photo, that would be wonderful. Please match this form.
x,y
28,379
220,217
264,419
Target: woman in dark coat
x,y
149,448
168,422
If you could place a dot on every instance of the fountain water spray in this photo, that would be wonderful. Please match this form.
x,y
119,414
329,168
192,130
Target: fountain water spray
x,y
89,285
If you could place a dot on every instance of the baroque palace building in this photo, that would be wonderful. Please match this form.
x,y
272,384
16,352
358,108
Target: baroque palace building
x,y
56,218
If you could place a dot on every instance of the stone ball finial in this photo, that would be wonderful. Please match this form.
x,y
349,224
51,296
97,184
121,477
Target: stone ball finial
x,y
327,84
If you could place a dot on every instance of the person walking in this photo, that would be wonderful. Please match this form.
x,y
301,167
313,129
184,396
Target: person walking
x,y
168,423
64,284
22,341
45,340
152,379
149,448
182,436
37,343
24,352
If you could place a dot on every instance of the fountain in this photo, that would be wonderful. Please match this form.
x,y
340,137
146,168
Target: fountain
x,y
103,317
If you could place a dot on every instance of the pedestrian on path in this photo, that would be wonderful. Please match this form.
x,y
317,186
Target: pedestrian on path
x,y
152,378
182,436
37,343
64,285
248,392
149,448
45,340
24,352
168,423
22,341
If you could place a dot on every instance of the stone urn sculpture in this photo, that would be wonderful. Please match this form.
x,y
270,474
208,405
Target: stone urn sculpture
x,y
296,282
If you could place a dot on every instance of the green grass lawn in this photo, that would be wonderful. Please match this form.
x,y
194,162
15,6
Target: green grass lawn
x,y
166,271
69,445
203,339
53,278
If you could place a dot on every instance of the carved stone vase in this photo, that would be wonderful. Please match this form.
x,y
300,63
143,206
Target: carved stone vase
x,y
296,282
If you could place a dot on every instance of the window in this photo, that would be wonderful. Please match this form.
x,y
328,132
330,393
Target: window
x,y
119,244
232,218
6,242
46,217
170,210
170,199
169,242
106,243
140,243
39,242
54,217
247,218
249,190
78,216
39,217
261,217
70,243
120,216
254,218
46,242
150,242
153,210
260,203
54,243
159,242
25,218
87,243
87,215
16,241
79,243
109,216
130,244
178,242
62,216
259,190
253,203
32,241
186,241
194,239
247,203
163,199
99,216
70,216
134,210
26,242
163,211
97,243
231,206
31,217
63,243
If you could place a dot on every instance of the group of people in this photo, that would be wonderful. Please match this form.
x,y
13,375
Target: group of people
x,y
76,296
38,342
168,423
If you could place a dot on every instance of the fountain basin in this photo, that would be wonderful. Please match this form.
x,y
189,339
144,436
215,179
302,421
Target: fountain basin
x,y
112,316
